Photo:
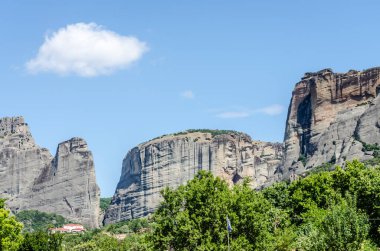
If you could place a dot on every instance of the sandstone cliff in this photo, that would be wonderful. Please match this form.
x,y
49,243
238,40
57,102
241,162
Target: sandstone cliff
x,y
174,159
332,116
31,178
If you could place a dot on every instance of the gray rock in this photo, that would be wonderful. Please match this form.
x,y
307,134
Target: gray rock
x,y
368,129
30,178
329,117
173,160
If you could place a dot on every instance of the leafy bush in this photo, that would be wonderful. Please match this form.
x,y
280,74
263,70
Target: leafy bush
x,y
71,240
41,241
131,226
136,242
194,217
340,227
10,230
325,167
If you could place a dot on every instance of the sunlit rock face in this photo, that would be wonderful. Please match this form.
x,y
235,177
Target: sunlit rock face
x,y
172,160
330,116
31,178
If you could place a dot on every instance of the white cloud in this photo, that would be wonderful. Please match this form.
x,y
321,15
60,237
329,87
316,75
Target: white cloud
x,y
188,94
86,50
271,110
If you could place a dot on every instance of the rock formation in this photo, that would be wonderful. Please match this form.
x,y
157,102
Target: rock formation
x,y
331,117
31,178
174,159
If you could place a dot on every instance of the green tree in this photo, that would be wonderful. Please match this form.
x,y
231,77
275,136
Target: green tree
x,y
73,240
136,242
41,241
340,227
193,217
86,246
316,190
130,226
10,230
364,183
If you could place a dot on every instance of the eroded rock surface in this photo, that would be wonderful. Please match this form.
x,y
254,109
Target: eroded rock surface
x,y
330,116
31,178
173,160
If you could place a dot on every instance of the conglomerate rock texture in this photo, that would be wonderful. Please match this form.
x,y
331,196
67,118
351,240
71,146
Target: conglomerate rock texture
x,y
331,116
172,160
31,178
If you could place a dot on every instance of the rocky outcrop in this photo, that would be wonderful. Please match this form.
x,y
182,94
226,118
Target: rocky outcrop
x,y
331,116
31,178
172,160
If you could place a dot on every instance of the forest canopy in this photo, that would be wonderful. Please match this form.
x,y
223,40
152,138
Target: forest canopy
x,y
327,210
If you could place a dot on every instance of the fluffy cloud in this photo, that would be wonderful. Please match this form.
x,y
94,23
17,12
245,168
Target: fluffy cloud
x,y
187,94
86,50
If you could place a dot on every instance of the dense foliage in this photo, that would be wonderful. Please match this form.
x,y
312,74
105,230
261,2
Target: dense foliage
x,y
10,230
193,217
122,236
336,210
41,241
326,210
34,220
126,227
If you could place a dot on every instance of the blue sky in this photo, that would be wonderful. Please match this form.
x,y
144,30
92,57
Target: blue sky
x,y
197,64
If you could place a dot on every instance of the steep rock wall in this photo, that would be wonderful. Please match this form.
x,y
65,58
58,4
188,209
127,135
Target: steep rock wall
x,y
173,160
30,178
330,116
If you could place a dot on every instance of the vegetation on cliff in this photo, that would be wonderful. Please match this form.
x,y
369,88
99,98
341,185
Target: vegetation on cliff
x,y
104,203
213,132
35,221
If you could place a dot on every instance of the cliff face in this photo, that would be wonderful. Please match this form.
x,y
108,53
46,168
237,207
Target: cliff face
x,y
330,116
173,160
31,178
